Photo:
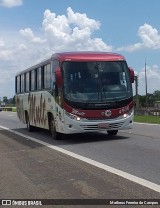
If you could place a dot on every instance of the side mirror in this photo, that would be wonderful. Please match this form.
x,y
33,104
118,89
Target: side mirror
x,y
131,71
58,77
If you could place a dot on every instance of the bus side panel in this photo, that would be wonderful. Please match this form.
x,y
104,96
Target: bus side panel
x,y
19,98
37,105
60,122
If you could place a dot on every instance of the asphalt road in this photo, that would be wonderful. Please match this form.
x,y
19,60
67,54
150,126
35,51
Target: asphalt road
x,y
30,169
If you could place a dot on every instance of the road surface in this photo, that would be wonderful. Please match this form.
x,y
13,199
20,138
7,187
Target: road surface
x,y
79,167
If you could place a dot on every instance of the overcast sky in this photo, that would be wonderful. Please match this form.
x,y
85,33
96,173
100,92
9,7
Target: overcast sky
x,y
32,30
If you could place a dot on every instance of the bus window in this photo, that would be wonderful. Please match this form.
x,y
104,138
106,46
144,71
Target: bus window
x,y
39,79
33,80
22,83
27,82
18,87
47,76
55,65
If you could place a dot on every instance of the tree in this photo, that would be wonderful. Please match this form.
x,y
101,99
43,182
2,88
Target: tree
x,y
13,100
156,95
5,99
151,98
142,100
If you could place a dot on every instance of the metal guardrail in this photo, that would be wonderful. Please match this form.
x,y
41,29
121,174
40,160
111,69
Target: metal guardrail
x,y
7,108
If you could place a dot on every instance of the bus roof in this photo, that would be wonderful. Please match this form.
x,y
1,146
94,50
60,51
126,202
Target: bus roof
x,y
87,56
78,56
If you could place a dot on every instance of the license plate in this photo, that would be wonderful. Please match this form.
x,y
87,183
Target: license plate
x,y
103,126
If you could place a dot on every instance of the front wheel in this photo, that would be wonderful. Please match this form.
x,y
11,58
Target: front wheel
x,y
112,132
55,135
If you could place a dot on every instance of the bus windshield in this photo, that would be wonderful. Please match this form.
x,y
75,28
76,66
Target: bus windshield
x,y
96,82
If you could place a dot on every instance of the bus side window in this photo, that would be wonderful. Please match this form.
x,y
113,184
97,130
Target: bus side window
x,y
27,82
55,64
22,83
39,78
47,76
33,80
42,77
18,86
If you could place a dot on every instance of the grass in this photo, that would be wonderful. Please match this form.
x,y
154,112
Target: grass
x,y
147,119
14,109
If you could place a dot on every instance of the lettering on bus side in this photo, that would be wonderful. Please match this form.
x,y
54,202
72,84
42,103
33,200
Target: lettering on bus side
x,y
124,109
37,110
20,108
76,112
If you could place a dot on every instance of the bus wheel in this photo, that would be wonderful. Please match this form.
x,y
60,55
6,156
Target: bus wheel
x,y
112,132
29,127
55,135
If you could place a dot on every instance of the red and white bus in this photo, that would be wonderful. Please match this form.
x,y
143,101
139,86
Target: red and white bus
x,y
77,92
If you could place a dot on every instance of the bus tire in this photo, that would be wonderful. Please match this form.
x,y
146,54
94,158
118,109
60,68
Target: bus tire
x,y
55,135
29,127
112,132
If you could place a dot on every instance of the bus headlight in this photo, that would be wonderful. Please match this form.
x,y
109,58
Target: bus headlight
x,y
125,115
72,116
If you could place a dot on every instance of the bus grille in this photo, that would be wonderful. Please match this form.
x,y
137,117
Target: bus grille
x,y
94,127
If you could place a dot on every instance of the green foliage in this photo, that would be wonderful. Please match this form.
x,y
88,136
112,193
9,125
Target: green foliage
x,y
5,99
156,95
147,119
151,98
14,109
13,100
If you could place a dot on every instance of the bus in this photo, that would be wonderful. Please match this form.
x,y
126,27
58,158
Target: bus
x,y
76,92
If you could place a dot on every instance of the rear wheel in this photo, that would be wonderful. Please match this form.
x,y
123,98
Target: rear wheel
x,y
29,127
112,132
55,135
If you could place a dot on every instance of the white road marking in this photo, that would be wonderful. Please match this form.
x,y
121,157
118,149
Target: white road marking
x,y
147,124
123,174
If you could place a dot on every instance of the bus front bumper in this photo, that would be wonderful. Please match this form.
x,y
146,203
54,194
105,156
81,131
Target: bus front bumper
x,y
73,126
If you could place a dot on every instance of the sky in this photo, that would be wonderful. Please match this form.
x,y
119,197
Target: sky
x,y
32,30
